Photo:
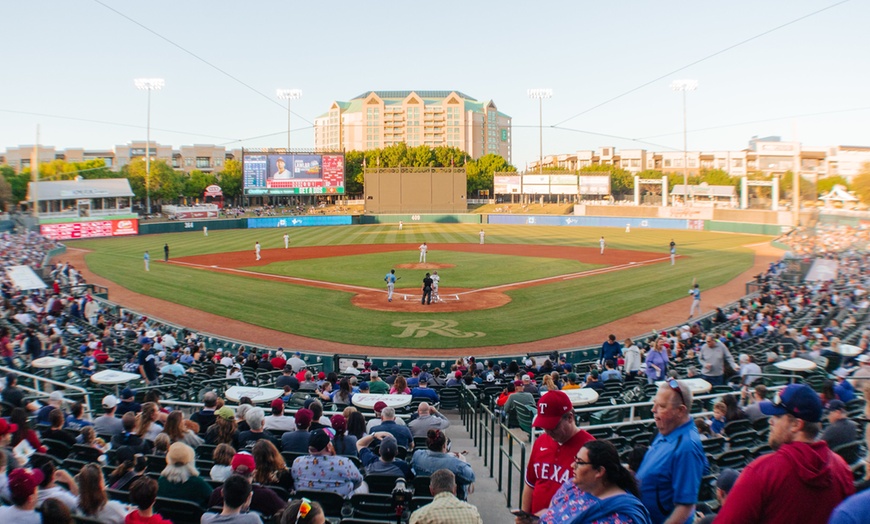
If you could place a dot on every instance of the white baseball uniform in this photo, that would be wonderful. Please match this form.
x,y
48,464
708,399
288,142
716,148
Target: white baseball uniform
x,y
423,249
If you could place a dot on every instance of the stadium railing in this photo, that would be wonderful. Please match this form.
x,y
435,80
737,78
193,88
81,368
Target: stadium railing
x,y
40,382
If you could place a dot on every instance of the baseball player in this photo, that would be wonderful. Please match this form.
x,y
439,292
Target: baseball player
x,y
423,250
390,279
257,250
482,236
400,225
673,247
205,231
696,300
601,243
435,280
628,228
286,241
147,261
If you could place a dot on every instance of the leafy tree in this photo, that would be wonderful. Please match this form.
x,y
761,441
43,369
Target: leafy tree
x,y
17,182
480,172
63,170
825,185
6,200
230,179
195,184
861,184
716,177
353,171
166,184
786,183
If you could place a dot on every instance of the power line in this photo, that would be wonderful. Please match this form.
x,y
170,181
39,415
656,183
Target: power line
x,y
704,59
201,59
617,137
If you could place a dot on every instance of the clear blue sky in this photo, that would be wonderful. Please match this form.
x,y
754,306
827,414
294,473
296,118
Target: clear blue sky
x,y
78,59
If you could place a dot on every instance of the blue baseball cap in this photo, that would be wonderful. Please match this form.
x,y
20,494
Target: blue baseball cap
x,y
797,400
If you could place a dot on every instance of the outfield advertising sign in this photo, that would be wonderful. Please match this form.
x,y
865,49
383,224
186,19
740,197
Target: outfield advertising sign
x,y
91,229
507,185
275,173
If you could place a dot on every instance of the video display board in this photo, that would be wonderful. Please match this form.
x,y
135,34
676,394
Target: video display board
x,y
273,173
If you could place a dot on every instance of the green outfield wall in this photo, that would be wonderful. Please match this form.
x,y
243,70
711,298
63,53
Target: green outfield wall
x,y
194,225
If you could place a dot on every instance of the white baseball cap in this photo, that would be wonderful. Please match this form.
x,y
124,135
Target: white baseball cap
x,y
110,401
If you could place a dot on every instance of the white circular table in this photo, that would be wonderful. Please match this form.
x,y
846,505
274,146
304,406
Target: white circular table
x,y
51,362
698,386
113,377
368,400
848,350
257,395
796,364
582,397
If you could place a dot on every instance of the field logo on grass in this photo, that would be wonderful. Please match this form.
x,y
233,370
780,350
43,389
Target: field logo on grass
x,y
444,328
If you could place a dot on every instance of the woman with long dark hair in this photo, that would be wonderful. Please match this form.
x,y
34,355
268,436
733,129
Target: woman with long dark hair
x,y
342,396
602,490
356,424
94,503
225,429
270,466
19,418
178,432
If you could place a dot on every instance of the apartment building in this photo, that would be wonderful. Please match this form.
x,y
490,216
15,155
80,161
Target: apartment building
x,y
377,119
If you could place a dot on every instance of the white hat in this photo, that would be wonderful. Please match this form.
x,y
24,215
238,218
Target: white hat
x,y
863,358
841,373
110,401
56,396
161,354
151,334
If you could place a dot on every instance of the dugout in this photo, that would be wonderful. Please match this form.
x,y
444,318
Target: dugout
x,y
415,190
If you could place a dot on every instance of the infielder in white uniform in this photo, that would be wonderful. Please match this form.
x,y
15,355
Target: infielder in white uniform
x,y
435,280
696,301
257,250
482,236
286,241
423,250
601,243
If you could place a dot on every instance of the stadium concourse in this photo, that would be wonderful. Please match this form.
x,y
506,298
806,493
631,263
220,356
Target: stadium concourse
x,y
120,409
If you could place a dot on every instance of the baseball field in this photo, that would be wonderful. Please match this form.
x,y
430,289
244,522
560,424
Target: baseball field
x,y
527,283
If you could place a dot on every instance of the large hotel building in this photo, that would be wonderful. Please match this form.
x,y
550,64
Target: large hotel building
x,y
378,119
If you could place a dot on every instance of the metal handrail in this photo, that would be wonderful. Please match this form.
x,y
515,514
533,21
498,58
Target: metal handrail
x,y
38,379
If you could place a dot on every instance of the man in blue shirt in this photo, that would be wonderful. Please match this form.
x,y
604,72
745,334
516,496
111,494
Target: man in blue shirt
x,y
388,423
670,474
610,350
423,391
390,279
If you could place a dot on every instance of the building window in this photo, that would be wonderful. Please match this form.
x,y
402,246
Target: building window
x,y
203,162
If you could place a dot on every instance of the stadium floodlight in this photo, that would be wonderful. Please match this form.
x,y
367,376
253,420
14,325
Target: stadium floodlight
x,y
288,95
148,84
540,94
684,86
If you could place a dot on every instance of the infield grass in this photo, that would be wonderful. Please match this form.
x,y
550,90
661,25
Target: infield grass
x,y
534,313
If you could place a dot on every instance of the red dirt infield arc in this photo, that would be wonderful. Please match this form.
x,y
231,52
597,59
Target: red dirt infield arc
x,y
672,313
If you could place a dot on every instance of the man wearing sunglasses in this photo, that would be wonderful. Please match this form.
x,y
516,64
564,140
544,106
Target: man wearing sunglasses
x,y
803,481
670,474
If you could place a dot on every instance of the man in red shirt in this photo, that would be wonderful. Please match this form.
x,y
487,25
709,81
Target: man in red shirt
x,y
803,481
551,463
279,361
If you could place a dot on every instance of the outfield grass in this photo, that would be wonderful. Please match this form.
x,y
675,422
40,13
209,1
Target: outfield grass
x,y
534,313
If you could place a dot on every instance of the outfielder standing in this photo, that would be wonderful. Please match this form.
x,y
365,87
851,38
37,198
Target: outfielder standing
x,y
482,236
423,250
601,243
696,301
286,241
205,231
435,281
257,250
673,247
147,261
390,279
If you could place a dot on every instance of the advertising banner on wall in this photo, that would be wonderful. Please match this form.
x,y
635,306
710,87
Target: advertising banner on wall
x,y
92,229
536,180
594,185
507,185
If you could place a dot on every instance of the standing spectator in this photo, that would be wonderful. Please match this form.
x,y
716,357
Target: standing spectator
x,y
803,481
853,510
148,363
610,349
713,357
671,471
445,507
427,418
656,367
552,458
143,494
632,358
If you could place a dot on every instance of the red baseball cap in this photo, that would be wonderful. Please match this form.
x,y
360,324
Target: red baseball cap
x,y
380,405
244,459
551,408
277,403
6,427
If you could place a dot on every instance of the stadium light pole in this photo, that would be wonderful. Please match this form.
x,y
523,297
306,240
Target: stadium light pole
x,y
684,86
148,84
288,95
540,94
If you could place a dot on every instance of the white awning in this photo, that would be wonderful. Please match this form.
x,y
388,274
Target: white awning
x,y
24,278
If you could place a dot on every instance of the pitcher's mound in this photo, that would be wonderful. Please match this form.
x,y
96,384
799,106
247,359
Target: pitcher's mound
x,y
424,265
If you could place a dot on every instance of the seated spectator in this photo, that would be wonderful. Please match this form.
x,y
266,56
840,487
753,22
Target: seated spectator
x,y
15,395
455,379
148,428
717,424
270,466
506,393
753,409
343,443
238,495
287,379
377,386
297,441
180,479
177,432
18,418
107,423
55,431
341,397
426,462
143,494
173,367
592,382
55,512
161,445
223,459
385,461
724,483
377,419
322,470
88,437
529,385
840,429
255,418
24,494
128,437
224,430
427,418
128,402
572,382
277,420
206,417
303,511
76,419
750,372
703,429
400,386
610,372
842,387
55,401
131,466
732,410
520,398
319,421
442,486
94,503
263,500
424,391
48,488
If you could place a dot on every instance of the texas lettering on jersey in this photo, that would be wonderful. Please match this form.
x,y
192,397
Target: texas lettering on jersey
x,y
553,472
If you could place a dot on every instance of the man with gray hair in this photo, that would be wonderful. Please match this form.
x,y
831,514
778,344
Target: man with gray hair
x,y
445,508
206,416
712,357
670,474
427,418
255,419
388,423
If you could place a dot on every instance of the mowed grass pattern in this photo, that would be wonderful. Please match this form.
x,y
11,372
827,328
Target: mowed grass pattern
x,y
534,313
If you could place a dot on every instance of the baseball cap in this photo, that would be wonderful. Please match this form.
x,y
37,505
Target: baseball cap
x,y
339,423
379,406
551,408
458,374
363,385
6,427
321,375
147,340
836,405
416,369
526,378
277,403
225,412
303,417
110,401
797,400
56,395
572,377
22,483
320,439
389,448
863,358
243,459
727,478
127,393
